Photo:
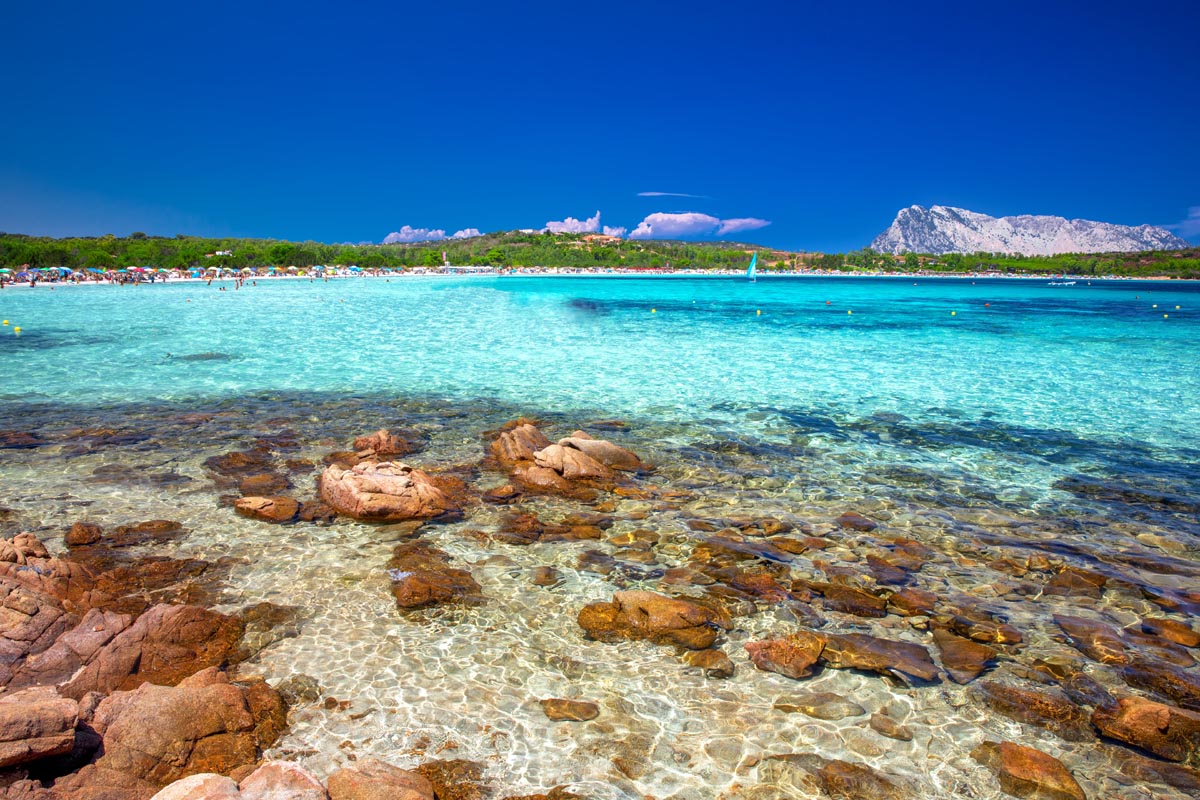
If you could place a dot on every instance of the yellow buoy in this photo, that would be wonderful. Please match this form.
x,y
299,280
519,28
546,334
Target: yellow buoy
x,y
1154,306
17,329
758,313
1176,308
654,311
953,313
5,322
1164,317
849,312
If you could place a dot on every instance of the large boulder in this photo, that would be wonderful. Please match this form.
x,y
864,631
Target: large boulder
x,y
35,723
164,646
661,619
72,650
159,734
385,492
575,465
273,780
30,622
1026,772
372,779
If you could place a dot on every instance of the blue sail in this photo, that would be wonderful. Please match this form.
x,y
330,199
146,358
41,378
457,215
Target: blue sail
x,y
753,264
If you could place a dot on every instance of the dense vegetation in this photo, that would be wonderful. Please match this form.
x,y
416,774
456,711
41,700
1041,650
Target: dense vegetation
x,y
519,249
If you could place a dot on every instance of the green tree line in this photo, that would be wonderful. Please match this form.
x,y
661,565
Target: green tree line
x,y
519,249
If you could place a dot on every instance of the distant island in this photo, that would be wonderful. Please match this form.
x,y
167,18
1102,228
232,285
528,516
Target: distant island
x,y
939,230
562,250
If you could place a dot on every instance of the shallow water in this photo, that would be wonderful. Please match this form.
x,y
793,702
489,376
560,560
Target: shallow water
x,y
979,434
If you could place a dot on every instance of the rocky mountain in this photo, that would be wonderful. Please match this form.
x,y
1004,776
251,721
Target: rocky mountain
x,y
943,229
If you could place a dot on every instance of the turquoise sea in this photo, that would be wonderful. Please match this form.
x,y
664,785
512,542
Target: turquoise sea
x,y
983,418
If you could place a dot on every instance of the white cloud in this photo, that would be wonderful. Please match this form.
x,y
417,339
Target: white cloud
x,y
466,233
668,194
1189,226
411,234
741,224
691,224
572,225
617,232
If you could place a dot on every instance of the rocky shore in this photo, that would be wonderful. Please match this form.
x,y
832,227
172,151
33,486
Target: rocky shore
x,y
1014,660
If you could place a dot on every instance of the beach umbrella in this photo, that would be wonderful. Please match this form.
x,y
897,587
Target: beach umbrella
x,y
5,270
122,270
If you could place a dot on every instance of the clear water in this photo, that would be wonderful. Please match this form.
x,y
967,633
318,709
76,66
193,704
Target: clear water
x,y
952,428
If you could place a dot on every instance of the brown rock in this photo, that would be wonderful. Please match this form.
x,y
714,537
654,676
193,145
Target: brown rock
x,y
1029,773
315,511
1173,630
1166,731
159,734
282,779
372,779
265,483
387,492
714,662
269,509
163,646
1179,686
35,723
1042,709
886,726
456,779
502,495
83,533
572,710
980,629
571,464
545,576
239,463
661,619
963,659
518,444
1096,640
603,451
851,601
841,780
20,440
71,650
385,443
1074,582
422,576
854,521
792,656
820,705
913,602
885,656
1151,770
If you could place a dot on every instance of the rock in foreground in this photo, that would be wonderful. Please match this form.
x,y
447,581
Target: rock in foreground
x,y
384,492
661,619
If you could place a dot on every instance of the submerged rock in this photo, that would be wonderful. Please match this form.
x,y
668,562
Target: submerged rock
x,y
963,659
572,710
885,656
821,705
1166,731
456,779
838,779
422,576
1172,630
1096,640
384,443
712,661
886,726
1026,772
792,656
268,509
1042,709
661,619
384,492
1177,685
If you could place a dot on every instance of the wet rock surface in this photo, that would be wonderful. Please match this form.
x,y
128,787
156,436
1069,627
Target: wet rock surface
x,y
1026,772
385,492
661,619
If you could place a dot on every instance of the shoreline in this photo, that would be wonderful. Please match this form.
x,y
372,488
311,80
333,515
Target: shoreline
x,y
572,273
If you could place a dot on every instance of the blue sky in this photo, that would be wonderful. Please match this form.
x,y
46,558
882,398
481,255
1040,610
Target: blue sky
x,y
348,121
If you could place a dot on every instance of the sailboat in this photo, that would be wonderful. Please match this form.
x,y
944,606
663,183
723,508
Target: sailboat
x,y
753,264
